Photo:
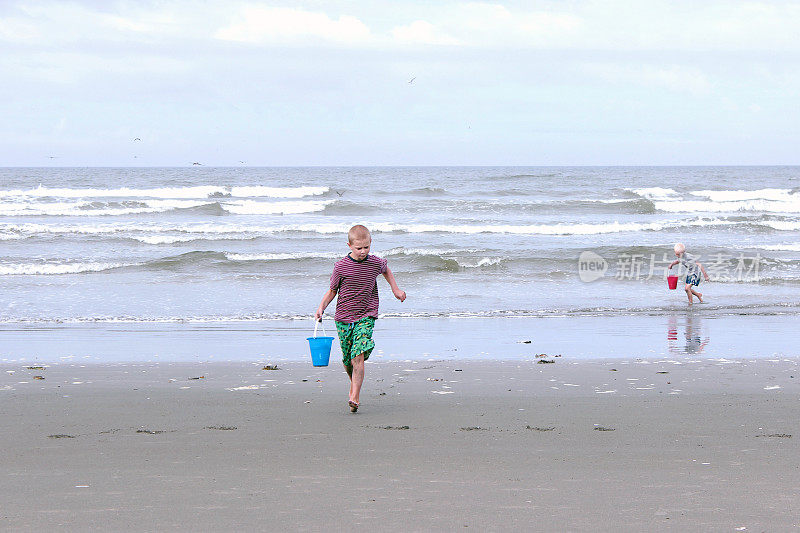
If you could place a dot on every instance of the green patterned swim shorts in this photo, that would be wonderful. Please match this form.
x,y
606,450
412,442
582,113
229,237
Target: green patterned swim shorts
x,y
356,338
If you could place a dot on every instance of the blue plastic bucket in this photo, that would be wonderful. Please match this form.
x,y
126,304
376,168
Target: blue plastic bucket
x,y
320,348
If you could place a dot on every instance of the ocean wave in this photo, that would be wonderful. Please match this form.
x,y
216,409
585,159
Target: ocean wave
x,y
175,239
431,259
154,233
655,193
183,260
260,191
782,247
287,256
717,206
97,208
250,207
194,192
781,225
344,207
94,208
37,269
777,195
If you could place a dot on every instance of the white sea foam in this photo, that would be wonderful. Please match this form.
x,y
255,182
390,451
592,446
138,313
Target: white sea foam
x,y
483,262
196,192
780,195
161,233
711,206
32,269
533,229
83,208
250,207
174,239
282,256
277,192
92,208
782,225
655,193
429,251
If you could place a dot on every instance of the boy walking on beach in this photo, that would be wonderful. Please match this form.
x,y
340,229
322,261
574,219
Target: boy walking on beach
x,y
693,269
354,279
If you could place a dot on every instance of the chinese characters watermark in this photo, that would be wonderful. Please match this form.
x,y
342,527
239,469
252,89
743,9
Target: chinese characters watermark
x,y
642,267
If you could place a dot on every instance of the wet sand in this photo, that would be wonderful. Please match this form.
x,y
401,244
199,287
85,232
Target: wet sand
x,y
614,445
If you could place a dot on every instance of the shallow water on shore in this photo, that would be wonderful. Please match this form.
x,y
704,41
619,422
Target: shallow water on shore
x,y
679,336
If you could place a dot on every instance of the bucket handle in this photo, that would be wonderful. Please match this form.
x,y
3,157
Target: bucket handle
x,y
316,324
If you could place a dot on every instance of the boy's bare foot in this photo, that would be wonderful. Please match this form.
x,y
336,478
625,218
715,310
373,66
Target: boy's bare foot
x,y
700,298
353,406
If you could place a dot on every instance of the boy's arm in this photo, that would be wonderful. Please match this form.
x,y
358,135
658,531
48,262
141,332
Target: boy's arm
x,y
703,270
400,295
326,299
673,264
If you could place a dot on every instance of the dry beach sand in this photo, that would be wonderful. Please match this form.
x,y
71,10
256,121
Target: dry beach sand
x,y
616,445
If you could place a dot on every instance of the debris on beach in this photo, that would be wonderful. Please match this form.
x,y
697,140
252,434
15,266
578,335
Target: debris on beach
x,y
61,436
525,342
458,370
395,427
777,435
662,372
198,377
150,431
270,367
38,377
613,370
544,361
537,428
435,379
305,380
473,428
221,428
35,368
601,428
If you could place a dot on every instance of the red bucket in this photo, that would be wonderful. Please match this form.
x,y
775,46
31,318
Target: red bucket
x,y
672,281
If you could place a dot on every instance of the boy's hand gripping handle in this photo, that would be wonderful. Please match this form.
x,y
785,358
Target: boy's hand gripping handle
x,y
317,323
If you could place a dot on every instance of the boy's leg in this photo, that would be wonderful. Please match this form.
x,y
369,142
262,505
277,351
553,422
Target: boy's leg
x,y
357,378
689,291
349,369
698,294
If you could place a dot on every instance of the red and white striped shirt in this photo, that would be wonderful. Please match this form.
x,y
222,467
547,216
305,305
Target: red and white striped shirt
x,y
357,287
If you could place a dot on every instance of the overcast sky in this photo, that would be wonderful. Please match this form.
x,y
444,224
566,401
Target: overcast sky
x,y
399,82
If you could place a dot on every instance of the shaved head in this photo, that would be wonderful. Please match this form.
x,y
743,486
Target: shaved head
x,y
358,233
680,248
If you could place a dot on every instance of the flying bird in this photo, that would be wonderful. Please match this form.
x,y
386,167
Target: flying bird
x,y
339,193
136,139
412,80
